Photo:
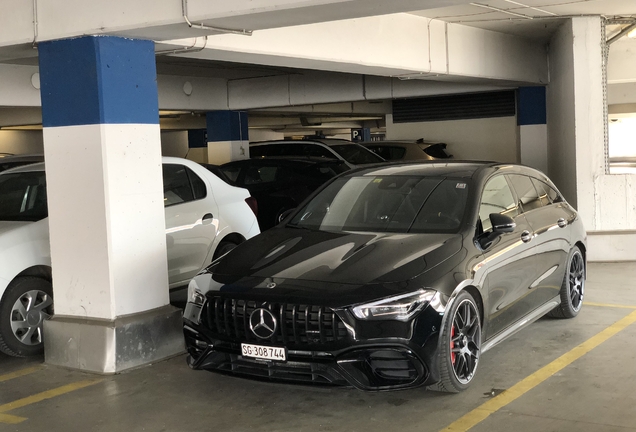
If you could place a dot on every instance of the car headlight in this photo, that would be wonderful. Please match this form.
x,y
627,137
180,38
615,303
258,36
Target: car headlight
x,y
401,308
197,298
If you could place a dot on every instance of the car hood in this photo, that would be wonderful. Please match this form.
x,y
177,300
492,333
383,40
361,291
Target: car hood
x,y
338,258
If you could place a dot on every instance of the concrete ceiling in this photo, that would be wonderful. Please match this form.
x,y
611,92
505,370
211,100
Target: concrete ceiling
x,y
532,19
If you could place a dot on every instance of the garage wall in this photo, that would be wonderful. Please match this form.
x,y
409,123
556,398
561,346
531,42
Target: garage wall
x,y
21,142
493,139
174,143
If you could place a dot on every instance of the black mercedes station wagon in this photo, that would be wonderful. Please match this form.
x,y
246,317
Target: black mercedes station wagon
x,y
391,277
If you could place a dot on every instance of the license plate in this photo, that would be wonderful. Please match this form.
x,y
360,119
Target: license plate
x,y
264,352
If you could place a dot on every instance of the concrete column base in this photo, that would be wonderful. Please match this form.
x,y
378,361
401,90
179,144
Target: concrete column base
x,y
110,347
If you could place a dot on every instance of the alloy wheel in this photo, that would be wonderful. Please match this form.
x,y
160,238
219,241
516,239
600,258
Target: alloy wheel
x,y
465,343
576,281
28,314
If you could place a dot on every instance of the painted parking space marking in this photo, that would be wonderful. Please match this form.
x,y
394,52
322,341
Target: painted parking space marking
x,y
11,419
610,305
49,394
20,373
479,414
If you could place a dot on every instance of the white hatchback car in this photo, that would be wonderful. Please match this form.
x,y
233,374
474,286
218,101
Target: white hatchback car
x,y
217,216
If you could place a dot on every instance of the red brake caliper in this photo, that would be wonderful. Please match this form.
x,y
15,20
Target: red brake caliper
x,y
452,344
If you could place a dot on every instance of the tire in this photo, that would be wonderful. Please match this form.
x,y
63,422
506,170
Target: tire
x,y
572,288
223,248
26,303
460,346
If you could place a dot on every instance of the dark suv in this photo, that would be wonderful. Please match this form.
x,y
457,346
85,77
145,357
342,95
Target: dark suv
x,y
280,184
354,155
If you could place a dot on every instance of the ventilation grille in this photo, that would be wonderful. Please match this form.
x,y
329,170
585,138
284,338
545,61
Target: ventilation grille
x,y
454,107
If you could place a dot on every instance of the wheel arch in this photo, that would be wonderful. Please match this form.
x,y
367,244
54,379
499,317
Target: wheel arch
x,y
474,292
472,289
234,237
584,253
40,271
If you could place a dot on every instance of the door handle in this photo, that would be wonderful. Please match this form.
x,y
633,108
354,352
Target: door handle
x,y
526,236
207,217
562,223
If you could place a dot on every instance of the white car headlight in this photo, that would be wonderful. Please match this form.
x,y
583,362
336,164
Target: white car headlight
x,y
402,307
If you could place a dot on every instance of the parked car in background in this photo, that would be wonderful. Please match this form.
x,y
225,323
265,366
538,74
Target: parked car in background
x,y
12,161
205,218
353,154
280,184
392,277
408,150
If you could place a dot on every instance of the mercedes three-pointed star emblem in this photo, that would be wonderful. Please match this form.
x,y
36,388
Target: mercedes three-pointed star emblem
x,y
263,323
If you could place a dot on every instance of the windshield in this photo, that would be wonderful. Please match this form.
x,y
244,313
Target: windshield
x,y
398,204
356,154
23,196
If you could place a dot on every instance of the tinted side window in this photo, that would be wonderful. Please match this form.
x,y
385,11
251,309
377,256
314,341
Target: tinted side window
x,y
526,192
260,174
388,152
178,186
23,196
319,151
232,172
496,198
553,195
542,189
198,186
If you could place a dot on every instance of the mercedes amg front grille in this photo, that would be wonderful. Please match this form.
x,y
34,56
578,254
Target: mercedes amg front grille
x,y
297,324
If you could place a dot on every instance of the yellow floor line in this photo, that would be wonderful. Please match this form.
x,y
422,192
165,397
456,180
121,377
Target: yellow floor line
x,y
493,405
20,403
10,419
20,373
609,305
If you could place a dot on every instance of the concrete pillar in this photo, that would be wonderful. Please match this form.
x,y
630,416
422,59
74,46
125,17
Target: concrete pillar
x,y
576,141
533,130
227,136
105,198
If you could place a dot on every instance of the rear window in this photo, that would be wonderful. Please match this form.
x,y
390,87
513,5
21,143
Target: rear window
x,y
437,151
23,196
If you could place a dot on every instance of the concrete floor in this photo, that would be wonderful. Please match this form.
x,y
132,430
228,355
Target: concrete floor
x,y
593,393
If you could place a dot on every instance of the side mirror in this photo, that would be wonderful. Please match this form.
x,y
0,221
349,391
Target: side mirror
x,y
284,215
502,223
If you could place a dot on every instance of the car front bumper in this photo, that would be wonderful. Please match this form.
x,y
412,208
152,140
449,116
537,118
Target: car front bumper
x,y
390,362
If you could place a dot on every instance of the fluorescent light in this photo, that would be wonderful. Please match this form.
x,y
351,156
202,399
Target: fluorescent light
x,y
632,34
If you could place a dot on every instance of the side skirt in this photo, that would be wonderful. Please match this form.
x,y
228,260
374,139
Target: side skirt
x,y
522,323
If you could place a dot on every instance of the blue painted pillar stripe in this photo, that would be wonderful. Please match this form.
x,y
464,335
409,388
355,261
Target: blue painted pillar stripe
x,y
531,106
98,80
227,126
